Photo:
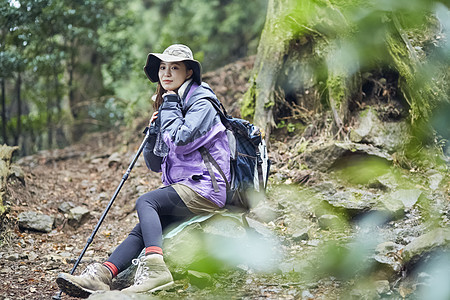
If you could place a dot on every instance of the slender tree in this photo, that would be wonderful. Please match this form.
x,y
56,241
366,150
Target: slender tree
x,y
4,120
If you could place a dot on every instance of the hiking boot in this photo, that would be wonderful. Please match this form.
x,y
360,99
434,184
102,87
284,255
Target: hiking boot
x,y
152,275
96,277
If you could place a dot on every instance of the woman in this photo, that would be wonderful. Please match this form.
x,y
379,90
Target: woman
x,y
184,123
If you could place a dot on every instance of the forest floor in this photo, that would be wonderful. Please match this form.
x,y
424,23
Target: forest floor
x,y
81,174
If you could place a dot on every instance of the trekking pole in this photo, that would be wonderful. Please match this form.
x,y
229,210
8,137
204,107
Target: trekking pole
x,y
105,212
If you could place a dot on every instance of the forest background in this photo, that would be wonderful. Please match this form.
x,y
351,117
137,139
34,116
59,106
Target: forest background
x,y
72,67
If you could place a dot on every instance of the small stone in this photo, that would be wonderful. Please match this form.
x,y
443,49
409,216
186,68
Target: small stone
x,y
32,256
78,215
382,287
6,270
329,222
65,207
306,295
114,160
435,180
264,213
199,279
300,235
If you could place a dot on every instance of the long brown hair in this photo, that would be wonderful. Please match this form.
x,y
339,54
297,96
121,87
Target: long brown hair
x,y
159,98
160,90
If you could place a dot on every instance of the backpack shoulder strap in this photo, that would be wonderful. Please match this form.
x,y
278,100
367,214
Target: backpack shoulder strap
x,y
207,157
209,160
224,116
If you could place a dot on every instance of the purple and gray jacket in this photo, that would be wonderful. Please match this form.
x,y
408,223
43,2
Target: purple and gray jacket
x,y
186,126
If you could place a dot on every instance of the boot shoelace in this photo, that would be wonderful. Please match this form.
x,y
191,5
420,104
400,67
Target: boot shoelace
x,y
90,271
142,271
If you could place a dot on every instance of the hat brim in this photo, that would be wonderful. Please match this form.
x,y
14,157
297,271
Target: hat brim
x,y
151,68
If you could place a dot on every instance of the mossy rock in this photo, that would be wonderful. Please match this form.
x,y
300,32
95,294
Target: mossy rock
x,y
6,153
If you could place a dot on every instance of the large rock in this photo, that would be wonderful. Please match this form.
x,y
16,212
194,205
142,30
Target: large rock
x,y
438,238
387,181
35,221
323,156
330,222
396,202
369,129
264,212
408,197
352,202
200,279
388,260
66,206
220,242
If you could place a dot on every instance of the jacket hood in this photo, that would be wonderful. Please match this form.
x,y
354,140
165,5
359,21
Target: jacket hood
x,y
200,92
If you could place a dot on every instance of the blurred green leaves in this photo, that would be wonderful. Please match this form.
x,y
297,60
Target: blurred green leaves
x,y
221,242
362,169
218,32
45,49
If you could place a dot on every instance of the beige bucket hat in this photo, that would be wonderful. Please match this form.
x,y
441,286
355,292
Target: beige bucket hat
x,y
173,53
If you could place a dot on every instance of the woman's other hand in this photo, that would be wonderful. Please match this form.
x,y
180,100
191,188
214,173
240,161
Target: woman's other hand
x,y
153,118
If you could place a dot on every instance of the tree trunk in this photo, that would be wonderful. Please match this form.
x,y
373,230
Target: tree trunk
x,y
292,69
4,120
260,99
61,139
19,110
70,67
49,115
83,88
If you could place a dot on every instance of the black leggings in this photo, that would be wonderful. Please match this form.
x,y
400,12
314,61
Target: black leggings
x,y
156,211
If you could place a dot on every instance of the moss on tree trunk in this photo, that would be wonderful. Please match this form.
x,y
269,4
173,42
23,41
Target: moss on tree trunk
x,y
6,153
290,43
345,38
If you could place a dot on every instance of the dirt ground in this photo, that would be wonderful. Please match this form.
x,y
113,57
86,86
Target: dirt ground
x,y
81,174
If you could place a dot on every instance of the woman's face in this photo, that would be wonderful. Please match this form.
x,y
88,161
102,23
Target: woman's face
x,y
173,74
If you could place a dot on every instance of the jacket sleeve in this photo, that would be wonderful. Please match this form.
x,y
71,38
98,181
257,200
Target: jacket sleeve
x,y
185,134
152,161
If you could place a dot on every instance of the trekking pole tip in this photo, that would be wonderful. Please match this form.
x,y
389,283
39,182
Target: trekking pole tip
x,y
57,296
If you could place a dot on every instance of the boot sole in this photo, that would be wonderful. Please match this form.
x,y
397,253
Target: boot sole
x,y
162,287
72,289
158,288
